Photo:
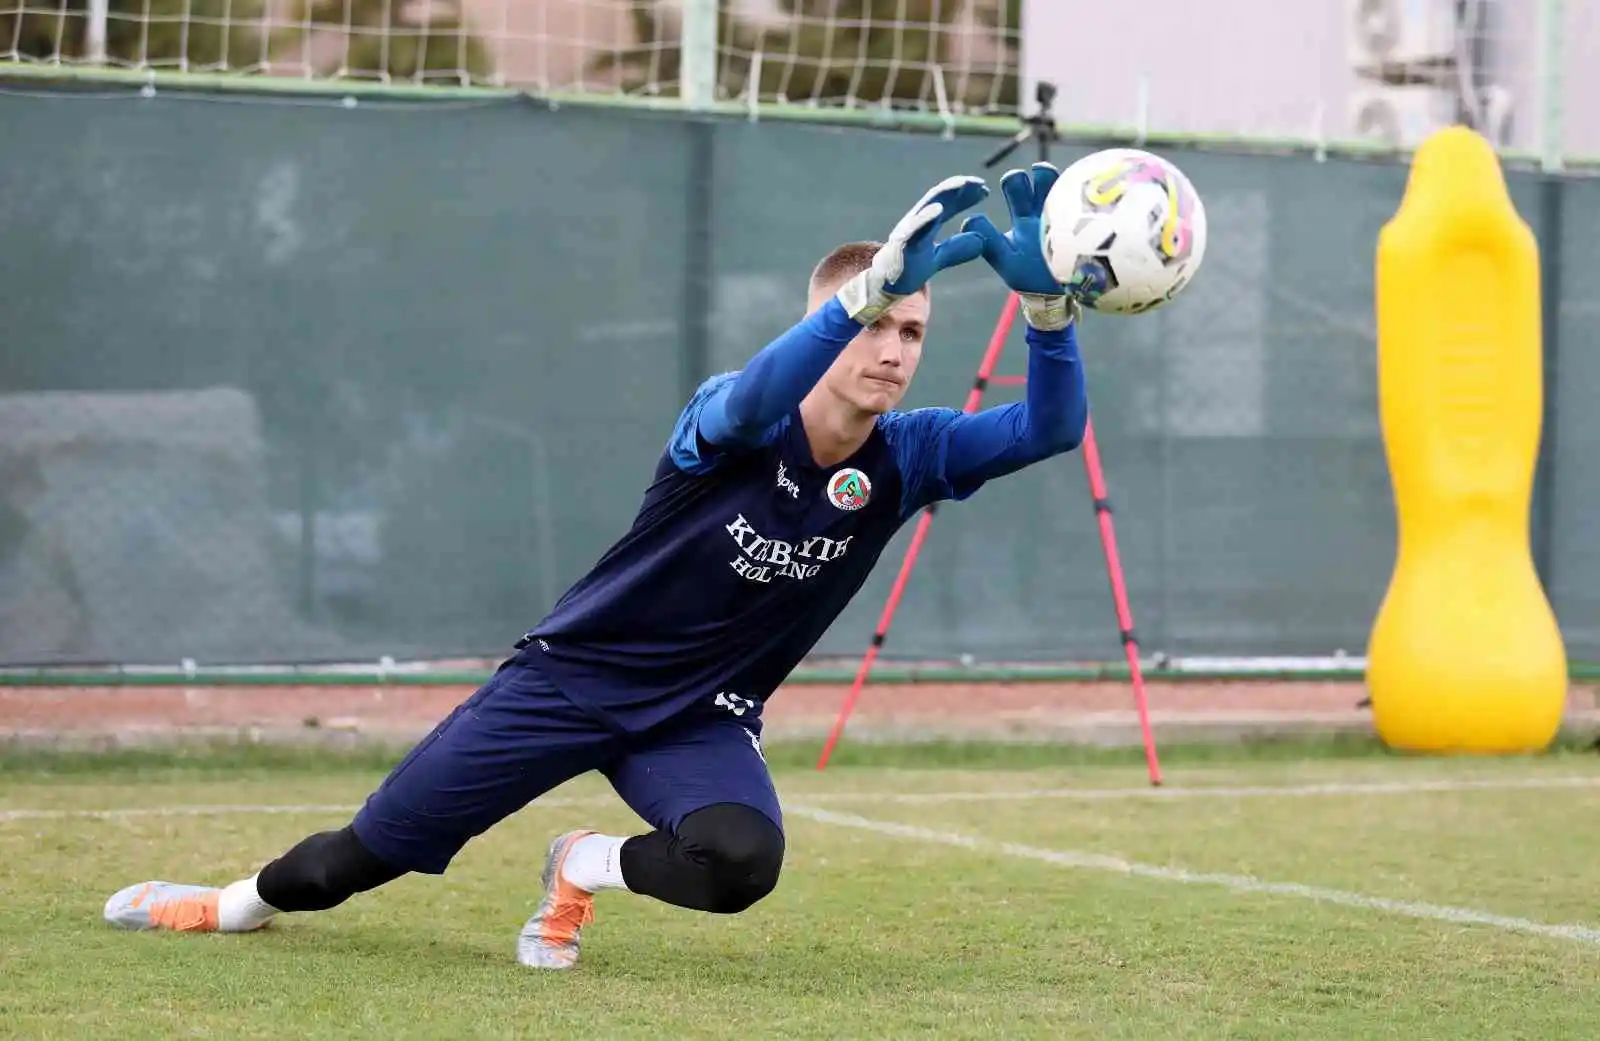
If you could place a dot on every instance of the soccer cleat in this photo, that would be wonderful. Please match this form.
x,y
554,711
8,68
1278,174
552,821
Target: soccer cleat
x,y
549,939
164,905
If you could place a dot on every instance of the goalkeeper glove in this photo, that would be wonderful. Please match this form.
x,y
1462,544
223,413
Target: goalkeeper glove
x,y
910,257
1018,256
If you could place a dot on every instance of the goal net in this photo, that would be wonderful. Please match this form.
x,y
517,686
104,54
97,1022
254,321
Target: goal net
x,y
959,56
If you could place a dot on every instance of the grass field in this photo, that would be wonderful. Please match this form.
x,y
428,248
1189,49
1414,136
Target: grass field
x,y
1326,893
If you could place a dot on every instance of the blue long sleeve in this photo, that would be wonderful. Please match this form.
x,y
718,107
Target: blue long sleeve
x,y
741,411
1049,421
944,453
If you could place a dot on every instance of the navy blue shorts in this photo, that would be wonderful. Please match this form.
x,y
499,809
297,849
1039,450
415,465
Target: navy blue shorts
x,y
518,737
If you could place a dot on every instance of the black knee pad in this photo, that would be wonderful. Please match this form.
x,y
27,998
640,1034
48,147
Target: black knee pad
x,y
740,847
322,871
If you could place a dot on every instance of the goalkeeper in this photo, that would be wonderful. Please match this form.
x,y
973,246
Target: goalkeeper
x,y
778,489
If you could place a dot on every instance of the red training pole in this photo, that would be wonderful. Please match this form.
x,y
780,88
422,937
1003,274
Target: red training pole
x,y
1119,593
991,357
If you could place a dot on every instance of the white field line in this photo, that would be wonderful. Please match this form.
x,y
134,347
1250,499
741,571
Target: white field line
x,y
1083,861
934,798
1222,792
1063,858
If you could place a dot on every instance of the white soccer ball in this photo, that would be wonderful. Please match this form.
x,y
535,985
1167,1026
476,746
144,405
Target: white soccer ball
x,y
1123,230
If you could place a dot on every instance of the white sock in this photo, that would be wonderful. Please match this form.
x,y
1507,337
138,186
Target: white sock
x,y
595,863
241,909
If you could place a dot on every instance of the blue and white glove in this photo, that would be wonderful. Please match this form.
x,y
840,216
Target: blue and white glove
x,y
1018,257
910,257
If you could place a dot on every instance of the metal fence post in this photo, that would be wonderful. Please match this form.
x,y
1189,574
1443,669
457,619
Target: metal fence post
x,y
700,134
1551,13
1552,196
698,67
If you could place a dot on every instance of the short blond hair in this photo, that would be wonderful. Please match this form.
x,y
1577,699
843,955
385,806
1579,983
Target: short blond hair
x,y
844,262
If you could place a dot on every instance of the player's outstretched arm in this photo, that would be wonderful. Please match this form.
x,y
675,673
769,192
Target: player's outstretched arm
x,y
948,454
1049,421
740,410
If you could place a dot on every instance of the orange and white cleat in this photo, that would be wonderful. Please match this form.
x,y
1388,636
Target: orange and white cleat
x,y
549,940
165,905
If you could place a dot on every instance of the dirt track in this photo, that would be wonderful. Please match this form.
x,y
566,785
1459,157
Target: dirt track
x,y
1096,712
1101,713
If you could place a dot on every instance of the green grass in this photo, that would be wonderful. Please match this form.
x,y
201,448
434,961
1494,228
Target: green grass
x,y
226,758
869,935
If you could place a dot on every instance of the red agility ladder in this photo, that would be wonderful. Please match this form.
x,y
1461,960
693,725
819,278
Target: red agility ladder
x,y
1108,540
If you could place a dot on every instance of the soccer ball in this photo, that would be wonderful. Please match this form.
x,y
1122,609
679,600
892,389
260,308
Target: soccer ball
x,y
1123,230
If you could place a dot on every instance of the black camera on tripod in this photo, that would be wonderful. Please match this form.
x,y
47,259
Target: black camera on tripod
x,y
1041,126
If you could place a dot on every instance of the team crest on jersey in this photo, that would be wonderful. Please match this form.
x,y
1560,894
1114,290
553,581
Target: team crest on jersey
x,y
849,489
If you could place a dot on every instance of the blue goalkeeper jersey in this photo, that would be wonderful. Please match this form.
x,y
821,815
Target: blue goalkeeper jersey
x,y
744,550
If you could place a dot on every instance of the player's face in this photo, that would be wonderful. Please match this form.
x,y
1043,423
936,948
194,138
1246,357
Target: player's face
x,y
873,373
